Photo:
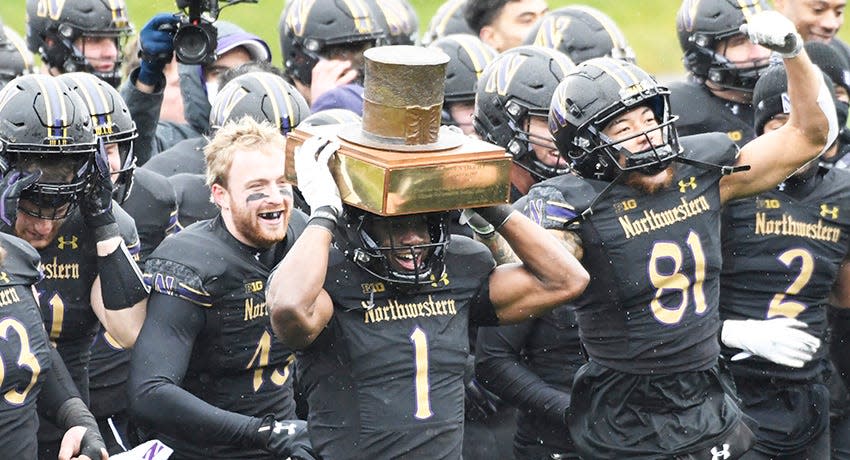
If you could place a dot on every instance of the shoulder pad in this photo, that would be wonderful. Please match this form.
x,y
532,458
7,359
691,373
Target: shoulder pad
x,y
21,263
472,255
157,185
714,148
684,96
556,201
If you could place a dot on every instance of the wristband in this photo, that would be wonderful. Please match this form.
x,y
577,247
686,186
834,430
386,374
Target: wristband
x,y
325,217
496,215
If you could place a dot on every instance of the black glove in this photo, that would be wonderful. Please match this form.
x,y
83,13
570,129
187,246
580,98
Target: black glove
x,y
11,187
287,438
96,200
156,45
479,403
91,444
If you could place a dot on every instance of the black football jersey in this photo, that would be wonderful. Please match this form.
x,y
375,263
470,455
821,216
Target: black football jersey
x,y
781,258
236,363
385,378
654,263
701,112
69,265
24,349
153,205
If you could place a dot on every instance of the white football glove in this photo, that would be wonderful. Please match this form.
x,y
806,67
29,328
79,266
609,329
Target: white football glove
x,y
774,31
314,177
778,340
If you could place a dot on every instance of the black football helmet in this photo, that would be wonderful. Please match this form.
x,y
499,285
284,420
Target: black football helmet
x,y
309,27
112,124
399,20
262,96
15,58
588,98
468,57
582,33
519,83
702,25
447,20
52,28
43,121
362,246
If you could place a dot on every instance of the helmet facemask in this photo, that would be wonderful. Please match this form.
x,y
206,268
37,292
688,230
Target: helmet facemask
x,y
721,71
60,51
598,156
521,145
383,258
56,194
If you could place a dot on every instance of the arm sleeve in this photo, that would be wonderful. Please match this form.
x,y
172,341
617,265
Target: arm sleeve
x,y
499,367
58,387
156,397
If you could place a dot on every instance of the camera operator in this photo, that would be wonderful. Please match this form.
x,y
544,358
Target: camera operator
x,y
143,91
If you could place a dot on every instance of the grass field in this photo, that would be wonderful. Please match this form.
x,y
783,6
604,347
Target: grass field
x,y
649,25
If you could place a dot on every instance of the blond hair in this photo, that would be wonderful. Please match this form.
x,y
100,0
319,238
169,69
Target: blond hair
x,y
234,136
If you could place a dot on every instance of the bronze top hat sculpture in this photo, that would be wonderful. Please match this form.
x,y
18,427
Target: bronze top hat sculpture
x,y
399,160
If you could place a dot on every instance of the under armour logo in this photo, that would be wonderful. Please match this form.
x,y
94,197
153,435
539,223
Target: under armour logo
x,y
4,277
825,211
720,454
62,242
692,183
444,280
289,428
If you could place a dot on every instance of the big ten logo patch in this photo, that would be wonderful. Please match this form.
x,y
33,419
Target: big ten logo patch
x,y
373,288
254,286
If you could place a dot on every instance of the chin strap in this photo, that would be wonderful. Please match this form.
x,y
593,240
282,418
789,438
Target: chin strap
x,y
724,170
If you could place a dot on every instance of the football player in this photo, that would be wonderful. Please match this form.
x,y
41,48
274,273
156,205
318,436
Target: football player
x,y
644,207
469,56
79,36
322,44
722,66
775,286
38,381
381,313
511,105
224,389
153,207
66,212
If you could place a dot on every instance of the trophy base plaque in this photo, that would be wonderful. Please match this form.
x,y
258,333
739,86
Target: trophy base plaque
x,y
464,174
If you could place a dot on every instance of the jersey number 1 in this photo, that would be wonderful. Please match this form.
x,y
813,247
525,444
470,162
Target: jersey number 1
x,y
420,380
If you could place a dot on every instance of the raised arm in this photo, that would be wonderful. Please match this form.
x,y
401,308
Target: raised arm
x,y
298,305
811,127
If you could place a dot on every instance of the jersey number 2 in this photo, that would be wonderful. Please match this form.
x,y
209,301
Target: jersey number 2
x,y
789,308
677,281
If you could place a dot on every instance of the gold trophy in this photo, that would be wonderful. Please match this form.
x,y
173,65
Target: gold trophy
x,y
399,160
